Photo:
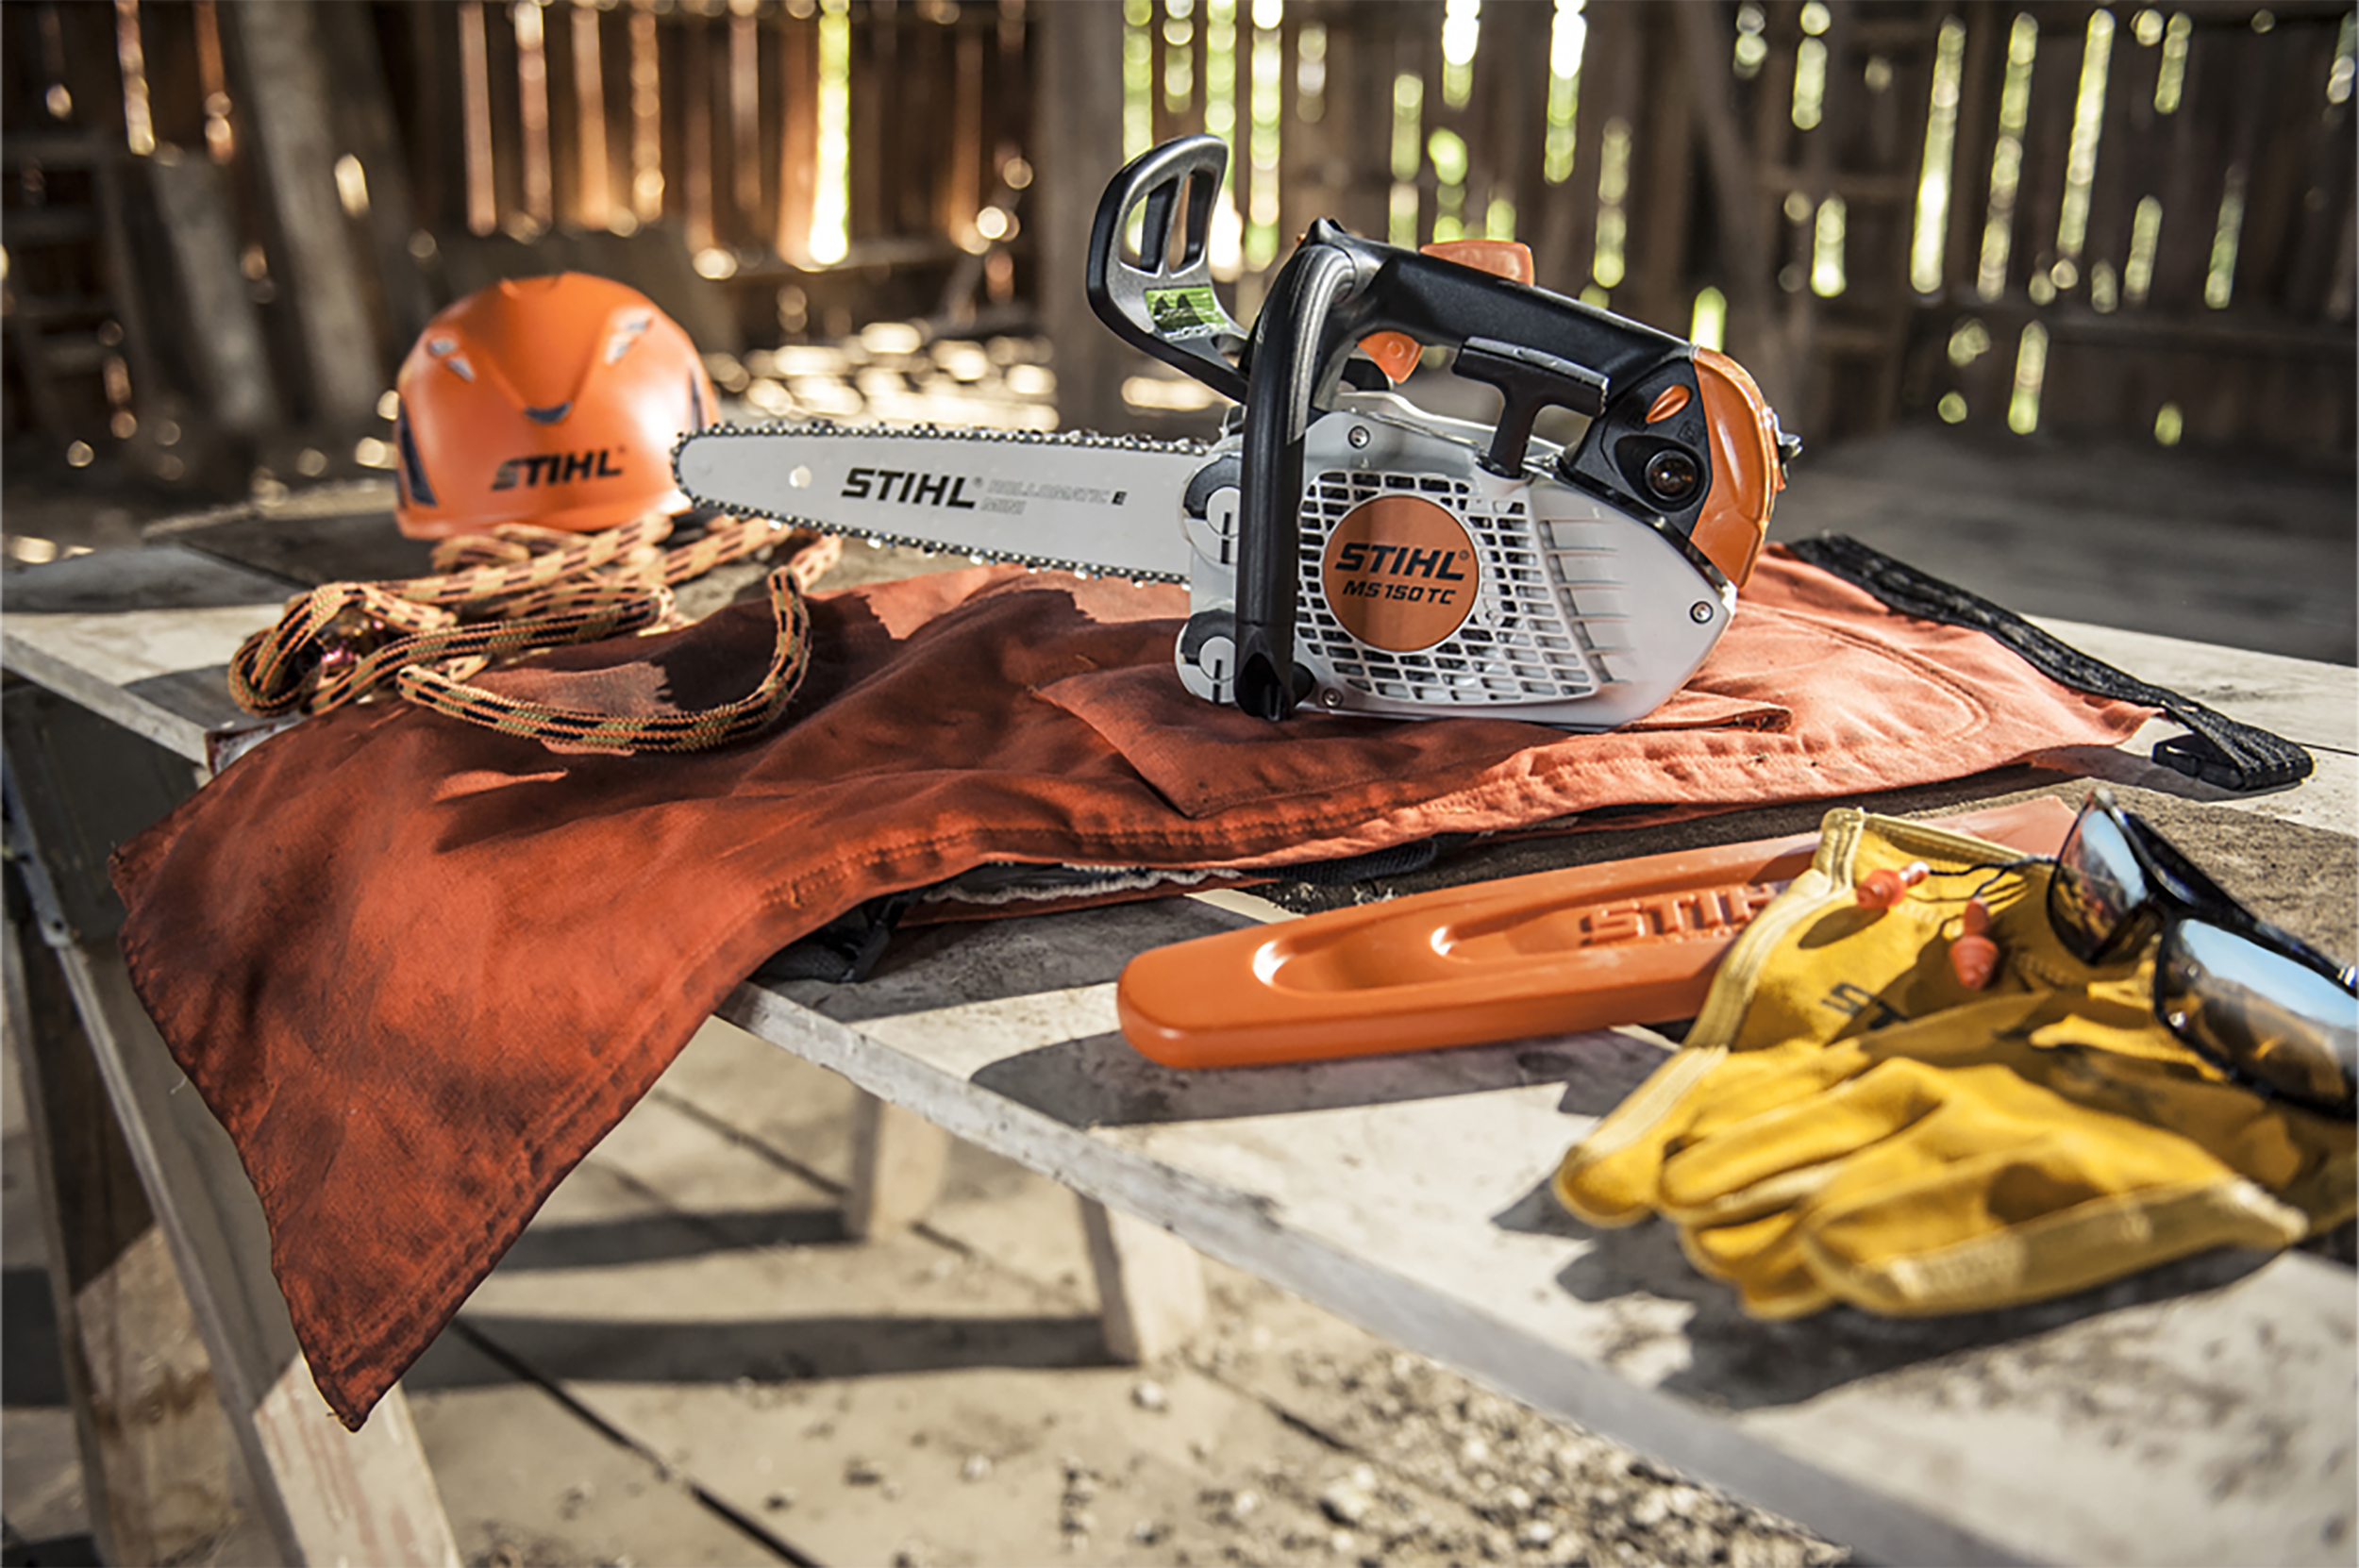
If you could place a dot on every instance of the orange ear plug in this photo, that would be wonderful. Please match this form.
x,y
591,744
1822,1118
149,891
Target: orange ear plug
x,y
1974,957
1883,887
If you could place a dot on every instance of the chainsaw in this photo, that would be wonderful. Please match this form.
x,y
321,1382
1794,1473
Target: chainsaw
x,y
1343,547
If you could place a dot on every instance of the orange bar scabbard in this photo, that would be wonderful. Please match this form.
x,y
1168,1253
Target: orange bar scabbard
x,y
1556,952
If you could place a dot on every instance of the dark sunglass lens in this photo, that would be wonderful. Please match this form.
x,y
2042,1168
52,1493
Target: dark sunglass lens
x,y
2098,882
2260,1013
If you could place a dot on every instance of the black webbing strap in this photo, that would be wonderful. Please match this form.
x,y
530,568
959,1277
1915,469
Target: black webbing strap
x,y
2220,752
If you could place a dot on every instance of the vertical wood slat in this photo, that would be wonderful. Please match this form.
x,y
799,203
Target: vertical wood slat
x,y
175,99
971,179
1981,71
92,71
362,122
2046,141
435,132
1655,287
614,65
1813,157
921,174
535,186
1777,140
746,185
2287,84
1357,112
798,145
505,97
668,39
645,175
1888,153
281,68
1569,227
703,154
2323,225
769,130
589,64
1424,38
2125,155
1241,108
21,69
873,49
2196,174
2242,400
562,130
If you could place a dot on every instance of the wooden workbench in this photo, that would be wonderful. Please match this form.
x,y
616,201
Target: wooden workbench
x,y
2202,1412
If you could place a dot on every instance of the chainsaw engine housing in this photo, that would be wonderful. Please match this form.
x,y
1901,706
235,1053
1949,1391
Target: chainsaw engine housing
x,y
1429,585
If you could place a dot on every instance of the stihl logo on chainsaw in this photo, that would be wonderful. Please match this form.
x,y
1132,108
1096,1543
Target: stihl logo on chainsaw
x,y
557,468
1398,560
909,486
1399,573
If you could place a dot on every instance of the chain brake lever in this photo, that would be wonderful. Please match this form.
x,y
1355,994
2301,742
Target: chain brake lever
x,y
1170,310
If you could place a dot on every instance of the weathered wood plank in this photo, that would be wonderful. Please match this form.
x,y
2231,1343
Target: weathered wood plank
x,y
156,671
284,94
1006,1036
1600,1328
227,353
1077,140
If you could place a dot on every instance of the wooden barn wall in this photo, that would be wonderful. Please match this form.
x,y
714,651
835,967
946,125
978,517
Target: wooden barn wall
x,y
2136,223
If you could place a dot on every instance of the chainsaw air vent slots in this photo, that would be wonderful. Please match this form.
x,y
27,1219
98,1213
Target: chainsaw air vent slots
x,y
1428,566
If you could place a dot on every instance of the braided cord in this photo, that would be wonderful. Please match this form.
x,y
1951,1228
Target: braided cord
x,y
519,588
790,655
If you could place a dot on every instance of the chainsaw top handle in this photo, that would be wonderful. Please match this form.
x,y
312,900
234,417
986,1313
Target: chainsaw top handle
x,y
1163,305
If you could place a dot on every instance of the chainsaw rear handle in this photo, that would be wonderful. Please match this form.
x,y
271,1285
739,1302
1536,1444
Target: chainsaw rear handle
x,y
1167,308
1645,450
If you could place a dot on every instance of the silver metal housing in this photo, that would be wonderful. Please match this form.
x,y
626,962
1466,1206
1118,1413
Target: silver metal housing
x,y
1584,617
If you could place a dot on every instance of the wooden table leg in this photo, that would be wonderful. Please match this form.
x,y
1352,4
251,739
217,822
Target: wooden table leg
x,y
159,1470
897,1161
75,785
1150,1284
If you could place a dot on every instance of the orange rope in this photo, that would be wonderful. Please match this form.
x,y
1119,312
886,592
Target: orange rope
x,y
520,590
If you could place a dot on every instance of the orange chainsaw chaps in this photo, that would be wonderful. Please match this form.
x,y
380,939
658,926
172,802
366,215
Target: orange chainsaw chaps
x,y
1746,472
1556,952
1396,353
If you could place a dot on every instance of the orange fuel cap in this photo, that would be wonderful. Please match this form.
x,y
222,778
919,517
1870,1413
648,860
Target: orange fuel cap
x,y
1396,353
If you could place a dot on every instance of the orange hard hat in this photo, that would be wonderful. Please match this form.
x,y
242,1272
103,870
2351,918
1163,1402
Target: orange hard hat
x,y
547,400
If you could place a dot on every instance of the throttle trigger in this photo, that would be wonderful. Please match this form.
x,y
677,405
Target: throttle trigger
x,y
1396,353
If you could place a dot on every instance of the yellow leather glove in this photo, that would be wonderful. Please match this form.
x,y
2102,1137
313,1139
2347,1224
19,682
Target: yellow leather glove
x,y
1849,1123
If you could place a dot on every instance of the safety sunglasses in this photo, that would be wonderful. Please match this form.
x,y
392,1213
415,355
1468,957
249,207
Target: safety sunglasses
x,y
2265,1008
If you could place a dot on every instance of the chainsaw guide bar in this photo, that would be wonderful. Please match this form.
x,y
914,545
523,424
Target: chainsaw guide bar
x,y
704,464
